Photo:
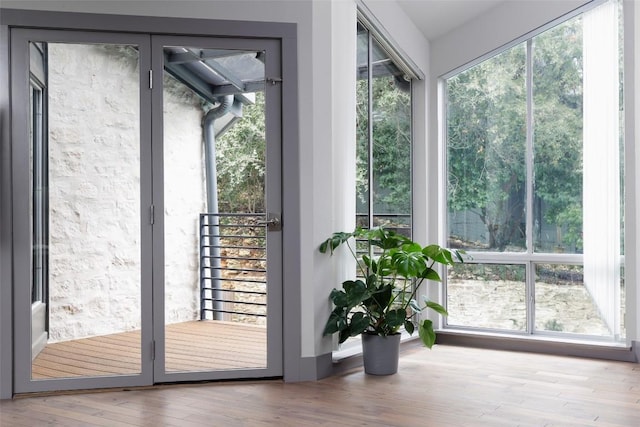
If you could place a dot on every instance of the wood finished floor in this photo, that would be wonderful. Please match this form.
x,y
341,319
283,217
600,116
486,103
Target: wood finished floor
x,y
447,386
190,346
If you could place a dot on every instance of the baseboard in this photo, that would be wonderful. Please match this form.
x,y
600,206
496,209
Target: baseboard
x,y
635,349
542,346
315,368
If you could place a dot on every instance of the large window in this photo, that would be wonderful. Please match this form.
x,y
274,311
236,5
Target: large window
x,y
383,175
383,140
535,189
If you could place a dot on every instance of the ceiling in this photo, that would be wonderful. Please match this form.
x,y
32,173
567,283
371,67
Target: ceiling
x,y
437,17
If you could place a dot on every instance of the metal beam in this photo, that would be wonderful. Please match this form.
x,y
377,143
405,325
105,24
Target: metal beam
x,y
255,86
227,74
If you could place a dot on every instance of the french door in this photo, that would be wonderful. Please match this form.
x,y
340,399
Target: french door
x,y
226,189
140,257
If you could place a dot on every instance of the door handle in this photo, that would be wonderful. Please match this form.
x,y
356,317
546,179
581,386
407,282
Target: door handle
x,y
273,222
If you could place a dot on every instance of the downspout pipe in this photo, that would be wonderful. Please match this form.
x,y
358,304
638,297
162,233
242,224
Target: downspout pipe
x,y
212,202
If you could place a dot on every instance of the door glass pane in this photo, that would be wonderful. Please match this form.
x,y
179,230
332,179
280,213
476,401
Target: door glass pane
x,y
488,296
85,210
214,186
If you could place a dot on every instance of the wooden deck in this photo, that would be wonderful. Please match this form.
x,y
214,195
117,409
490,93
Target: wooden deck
x,y
190,346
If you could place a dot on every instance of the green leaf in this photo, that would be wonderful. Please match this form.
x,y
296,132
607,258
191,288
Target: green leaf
x,y
374,265
430,274
395,318
334,241
438,254
384,266
426,333
411,247
366,260
355,291
409,326
359,323
458,253
380,298
372,282
344,335
337,322
414,306
339,298
436,307
409,264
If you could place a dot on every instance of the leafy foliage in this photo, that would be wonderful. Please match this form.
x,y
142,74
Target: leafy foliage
x,y
394,268
240,156
487,107
486,141
391,146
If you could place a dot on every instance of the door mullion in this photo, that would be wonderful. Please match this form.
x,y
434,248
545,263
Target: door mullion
x,y
155,86
146,200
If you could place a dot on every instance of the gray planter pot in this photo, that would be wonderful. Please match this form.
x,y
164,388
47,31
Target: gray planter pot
x,y
380,354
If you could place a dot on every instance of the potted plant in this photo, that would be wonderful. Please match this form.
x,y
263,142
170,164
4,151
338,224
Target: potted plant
x,y
382,299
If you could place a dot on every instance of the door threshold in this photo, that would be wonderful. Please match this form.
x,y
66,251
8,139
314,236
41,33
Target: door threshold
x,y
158,386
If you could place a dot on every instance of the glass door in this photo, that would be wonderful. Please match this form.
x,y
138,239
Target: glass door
x,y
217,146
147,209
79,151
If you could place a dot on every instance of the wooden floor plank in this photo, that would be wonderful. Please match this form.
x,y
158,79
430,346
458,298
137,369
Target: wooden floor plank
x,y
447,386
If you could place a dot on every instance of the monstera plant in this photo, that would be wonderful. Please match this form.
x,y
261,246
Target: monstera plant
x,y
391,268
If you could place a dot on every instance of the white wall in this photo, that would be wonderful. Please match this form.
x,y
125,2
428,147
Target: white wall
x,y
184,199
496,27
324,189
94,178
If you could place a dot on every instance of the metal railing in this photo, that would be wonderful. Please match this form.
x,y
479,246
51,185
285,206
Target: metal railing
x,y
233,264
233,267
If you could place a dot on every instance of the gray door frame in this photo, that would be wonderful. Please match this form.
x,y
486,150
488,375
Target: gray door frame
x,y
13,247
20,39
273,186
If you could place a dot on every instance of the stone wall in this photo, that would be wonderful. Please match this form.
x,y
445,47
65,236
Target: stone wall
x,y
94,178
185,199
500,304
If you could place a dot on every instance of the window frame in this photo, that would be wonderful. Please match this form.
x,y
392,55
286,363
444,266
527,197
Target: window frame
x,y
411,74
529,257
375,32
39,176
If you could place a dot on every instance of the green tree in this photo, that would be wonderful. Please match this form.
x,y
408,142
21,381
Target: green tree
x,y
240,156
557,89
391,146
487,107
486,145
